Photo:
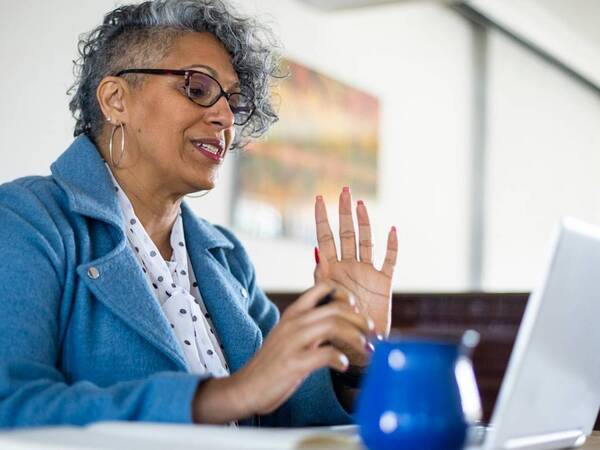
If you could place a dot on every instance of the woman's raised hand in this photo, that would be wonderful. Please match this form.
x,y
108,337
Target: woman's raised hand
x,y
355,271
291,352
309,337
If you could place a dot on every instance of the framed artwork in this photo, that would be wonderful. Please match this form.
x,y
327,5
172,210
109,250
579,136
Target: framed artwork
x,y
327,137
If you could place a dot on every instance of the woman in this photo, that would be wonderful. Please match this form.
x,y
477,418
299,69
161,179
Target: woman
x,y
117,302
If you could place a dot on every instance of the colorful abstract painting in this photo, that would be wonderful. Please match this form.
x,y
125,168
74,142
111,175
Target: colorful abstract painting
x,y
326,138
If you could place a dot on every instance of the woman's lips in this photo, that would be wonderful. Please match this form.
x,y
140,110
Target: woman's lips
x,y
212,150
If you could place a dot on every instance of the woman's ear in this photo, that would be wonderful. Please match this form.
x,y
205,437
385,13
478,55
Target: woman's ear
x,y
111,95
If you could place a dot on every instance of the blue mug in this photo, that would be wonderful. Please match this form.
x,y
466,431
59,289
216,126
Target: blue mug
x,y
419,394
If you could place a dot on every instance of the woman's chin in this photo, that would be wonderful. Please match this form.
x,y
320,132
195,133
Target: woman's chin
x,y
197,181
198,188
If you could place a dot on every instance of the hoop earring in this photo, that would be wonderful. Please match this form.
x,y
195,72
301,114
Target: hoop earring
x,y
110,145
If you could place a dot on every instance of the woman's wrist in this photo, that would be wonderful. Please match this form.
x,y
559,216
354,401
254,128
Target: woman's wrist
x,y
218,401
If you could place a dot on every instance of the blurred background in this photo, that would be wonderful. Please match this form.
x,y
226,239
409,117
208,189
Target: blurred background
x,y
488,125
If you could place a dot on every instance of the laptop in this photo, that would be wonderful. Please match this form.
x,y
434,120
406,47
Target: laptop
x,y
550,394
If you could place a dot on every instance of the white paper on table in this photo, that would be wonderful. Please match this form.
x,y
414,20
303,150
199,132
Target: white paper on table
x,y
161,436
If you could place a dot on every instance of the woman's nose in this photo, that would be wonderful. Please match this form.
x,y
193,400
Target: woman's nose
x,y
220,114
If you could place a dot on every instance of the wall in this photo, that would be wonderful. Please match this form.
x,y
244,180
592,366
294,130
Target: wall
x,y
416,57
543,162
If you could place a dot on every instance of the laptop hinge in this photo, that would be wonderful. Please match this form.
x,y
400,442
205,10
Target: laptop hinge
x,y
562,439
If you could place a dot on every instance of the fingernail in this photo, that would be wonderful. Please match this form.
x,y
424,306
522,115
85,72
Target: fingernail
x,y
344,360
360,202
356,310
351,300
369,347
346,189
319,198
394,229
317,259
379,337
370,323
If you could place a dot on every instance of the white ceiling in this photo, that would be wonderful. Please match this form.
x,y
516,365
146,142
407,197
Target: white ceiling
x,y
580,16
567,30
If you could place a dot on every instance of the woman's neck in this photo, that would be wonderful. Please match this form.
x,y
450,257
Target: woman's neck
x,y
154,207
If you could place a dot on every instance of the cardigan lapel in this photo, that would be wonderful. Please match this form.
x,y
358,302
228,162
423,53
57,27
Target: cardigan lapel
x,y
118,282
81,173
221,292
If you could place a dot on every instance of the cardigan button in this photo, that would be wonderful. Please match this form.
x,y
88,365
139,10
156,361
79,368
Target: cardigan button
x,y
244,292
93,273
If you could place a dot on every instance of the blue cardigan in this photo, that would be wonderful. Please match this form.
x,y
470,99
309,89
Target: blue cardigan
x,y
82,337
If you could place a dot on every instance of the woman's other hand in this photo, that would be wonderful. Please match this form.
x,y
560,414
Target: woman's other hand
x,y
308,337
372,287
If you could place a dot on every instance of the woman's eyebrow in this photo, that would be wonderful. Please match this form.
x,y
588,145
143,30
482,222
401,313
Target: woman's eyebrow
x,y
209,69
212,73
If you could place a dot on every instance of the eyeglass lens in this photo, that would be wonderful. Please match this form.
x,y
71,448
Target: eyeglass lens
x,y
205,91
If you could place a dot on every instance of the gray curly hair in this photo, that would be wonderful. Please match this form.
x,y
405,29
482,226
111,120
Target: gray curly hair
x,y
141,34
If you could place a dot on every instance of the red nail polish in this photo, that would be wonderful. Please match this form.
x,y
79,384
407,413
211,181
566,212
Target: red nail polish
x,y
360,202
317,259
319,198
346,189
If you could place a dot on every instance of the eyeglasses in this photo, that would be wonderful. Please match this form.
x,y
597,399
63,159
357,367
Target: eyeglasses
x,y
205,91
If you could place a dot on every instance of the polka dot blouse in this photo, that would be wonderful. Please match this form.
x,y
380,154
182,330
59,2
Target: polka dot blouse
x,y
175,288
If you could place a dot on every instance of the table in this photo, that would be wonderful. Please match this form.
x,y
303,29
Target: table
x,y
122,436
593,442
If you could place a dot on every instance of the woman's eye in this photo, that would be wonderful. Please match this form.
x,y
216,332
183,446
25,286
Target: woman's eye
x,y
197,92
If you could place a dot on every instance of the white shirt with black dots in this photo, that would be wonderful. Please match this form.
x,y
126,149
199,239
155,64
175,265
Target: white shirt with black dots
x,y
175,288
